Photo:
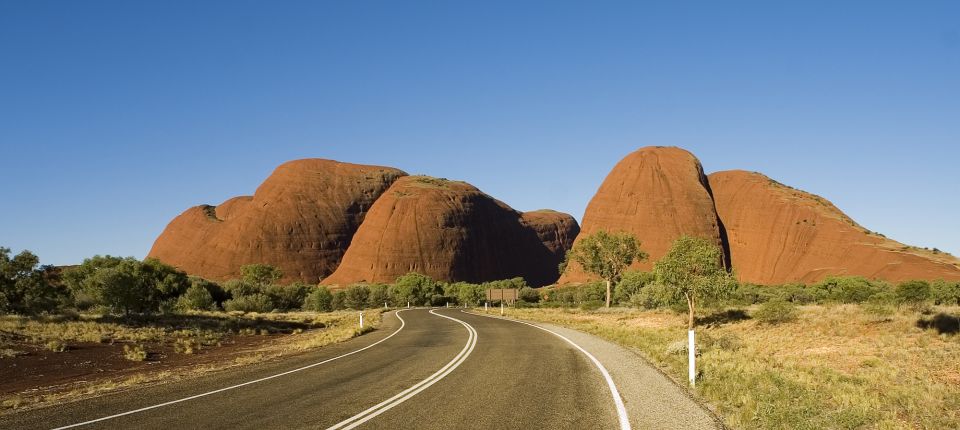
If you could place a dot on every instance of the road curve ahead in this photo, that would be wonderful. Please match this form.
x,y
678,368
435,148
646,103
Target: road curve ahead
x,y
423,369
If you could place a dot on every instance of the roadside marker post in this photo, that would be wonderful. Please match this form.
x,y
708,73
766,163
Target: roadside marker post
x,y
408,305
485,306
361,320
501,308
692,357
385,306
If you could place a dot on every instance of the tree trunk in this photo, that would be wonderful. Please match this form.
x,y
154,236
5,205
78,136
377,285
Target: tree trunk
x,y
608,293
690,305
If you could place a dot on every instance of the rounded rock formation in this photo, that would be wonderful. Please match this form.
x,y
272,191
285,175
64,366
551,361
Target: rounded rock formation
x,y
778,234
301,219
451,231
657,194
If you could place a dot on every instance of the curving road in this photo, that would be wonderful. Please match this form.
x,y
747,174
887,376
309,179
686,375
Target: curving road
x,y
423,369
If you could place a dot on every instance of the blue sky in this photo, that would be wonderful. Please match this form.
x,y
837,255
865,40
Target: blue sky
x,y
117,116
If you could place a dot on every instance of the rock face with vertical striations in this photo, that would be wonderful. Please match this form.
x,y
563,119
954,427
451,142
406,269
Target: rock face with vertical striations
x,y
301,219
656,193
451,231
778,234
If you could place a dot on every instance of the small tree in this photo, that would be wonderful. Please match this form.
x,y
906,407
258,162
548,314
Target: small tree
x,y
198,298
319,300
693,271
606,255
26,287
260,276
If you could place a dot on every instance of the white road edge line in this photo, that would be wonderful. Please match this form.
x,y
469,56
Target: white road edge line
x,y
404,395
402,324
621,408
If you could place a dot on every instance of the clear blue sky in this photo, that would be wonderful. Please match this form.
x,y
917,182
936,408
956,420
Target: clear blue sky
x,y
117,116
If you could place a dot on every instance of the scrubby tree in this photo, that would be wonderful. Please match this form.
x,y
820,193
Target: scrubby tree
x,y
126,285
378,296
26,287
337,300
356,297
693,270
913,293
319,300
288,297
469,294
630,284
257,302
260,276
196,298
529,295
414,288
606,255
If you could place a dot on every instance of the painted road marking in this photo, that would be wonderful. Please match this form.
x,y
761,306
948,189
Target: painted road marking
x,y
402,324
617,400
401,397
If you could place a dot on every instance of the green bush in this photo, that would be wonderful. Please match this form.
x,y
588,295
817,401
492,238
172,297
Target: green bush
x,y
913,293
591,292
945,293
319,300
338,300
196,298
379,294
356,297
414,288
286,298
27,288
776,311
126,285
253,303
529,295
880,306
630,283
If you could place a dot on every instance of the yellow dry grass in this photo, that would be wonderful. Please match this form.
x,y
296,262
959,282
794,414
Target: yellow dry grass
x,y
835,367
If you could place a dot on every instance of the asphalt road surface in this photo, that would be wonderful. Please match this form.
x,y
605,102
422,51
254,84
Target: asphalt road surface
x,y
423,369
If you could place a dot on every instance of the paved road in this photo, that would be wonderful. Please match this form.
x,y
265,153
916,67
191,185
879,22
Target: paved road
x,y
423,369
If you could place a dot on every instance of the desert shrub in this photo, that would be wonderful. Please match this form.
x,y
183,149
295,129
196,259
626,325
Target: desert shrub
x,y
630,283
847,289
379,295
288,297
529,295
238,288
655,296
260,276
469,294
592,305
775,312
915,294
880,306
27,288
356,297
56,345
319,300
134,352
126,285
198,298
338,300
186,345
590,292
415,289
945,293
251,303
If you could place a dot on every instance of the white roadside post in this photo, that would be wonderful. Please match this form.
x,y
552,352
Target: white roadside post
x,y
501,307
485,306
385,306
408,305
692,357
361,320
